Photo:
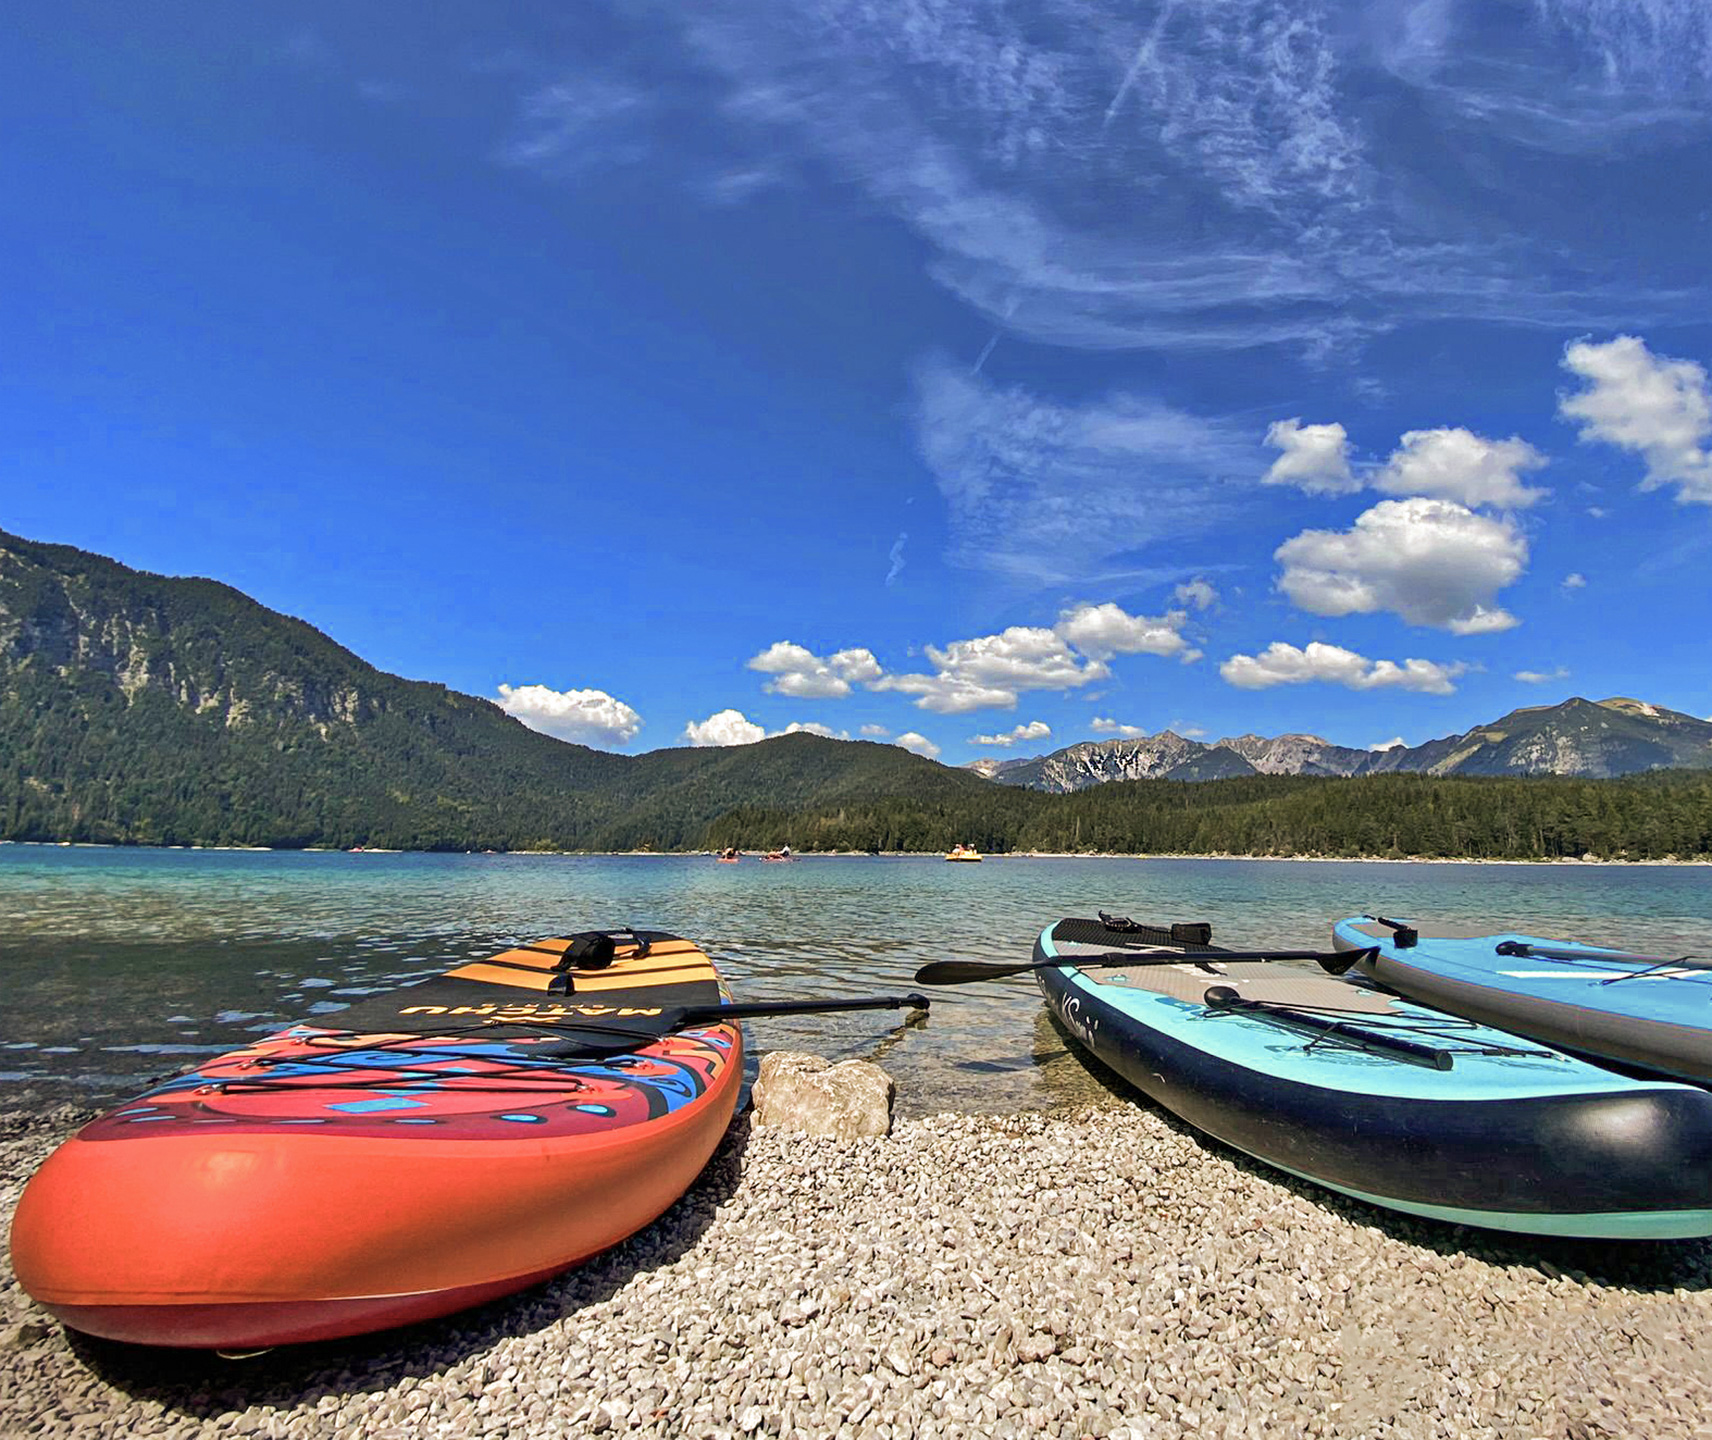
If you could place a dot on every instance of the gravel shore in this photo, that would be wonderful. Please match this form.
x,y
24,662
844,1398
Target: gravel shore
x,y
1102,1273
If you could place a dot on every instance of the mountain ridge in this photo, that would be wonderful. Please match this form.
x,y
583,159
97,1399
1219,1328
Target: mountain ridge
x,y
138,708
1587,739
149,708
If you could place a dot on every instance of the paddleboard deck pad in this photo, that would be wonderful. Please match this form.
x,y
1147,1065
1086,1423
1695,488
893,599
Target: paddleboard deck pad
x,y
446,1145
1638,1011
1398,1105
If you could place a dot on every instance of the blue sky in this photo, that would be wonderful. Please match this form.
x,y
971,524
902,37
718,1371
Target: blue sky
x,y
960,373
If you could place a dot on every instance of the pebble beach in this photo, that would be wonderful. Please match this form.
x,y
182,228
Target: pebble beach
x,y
1104,1272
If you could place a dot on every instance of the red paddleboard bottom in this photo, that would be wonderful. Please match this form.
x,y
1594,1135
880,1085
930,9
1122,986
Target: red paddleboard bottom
x,y
261,1325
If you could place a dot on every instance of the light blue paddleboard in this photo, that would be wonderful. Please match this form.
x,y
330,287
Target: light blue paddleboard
x,y
1652,1012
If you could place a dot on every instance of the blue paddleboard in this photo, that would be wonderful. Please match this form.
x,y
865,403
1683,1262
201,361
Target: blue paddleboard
x,y
1653,1012
1385,1100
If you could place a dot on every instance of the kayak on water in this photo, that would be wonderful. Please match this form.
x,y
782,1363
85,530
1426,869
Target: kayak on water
x,y
456,1140
1652,1012
1381,1099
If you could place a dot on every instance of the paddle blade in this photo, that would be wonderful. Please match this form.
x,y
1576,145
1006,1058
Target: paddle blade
x,y
1345,961
963,972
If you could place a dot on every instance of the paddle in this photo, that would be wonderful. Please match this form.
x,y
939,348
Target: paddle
x,y
1652,963
963,972
613,1040
1227,999
596,1043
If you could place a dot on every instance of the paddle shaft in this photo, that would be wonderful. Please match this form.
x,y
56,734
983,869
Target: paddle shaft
x,y
1227,1000
1552,952
681,1017
962,972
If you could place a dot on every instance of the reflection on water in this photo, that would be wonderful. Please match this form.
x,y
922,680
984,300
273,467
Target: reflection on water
x,y
121,965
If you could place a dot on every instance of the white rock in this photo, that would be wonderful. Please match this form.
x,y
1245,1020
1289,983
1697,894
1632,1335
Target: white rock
x,y
808,1093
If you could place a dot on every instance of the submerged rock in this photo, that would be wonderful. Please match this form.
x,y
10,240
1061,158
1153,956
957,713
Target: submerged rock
x,y
809,1094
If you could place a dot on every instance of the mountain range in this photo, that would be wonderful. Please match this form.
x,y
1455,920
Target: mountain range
x,y
1591,739
139,708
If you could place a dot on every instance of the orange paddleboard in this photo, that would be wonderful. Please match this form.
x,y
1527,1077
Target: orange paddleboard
x,y
446,1147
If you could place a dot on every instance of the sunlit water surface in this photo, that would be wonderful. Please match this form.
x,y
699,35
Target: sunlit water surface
x,y
118,966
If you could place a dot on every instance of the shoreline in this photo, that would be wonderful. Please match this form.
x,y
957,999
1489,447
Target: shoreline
x,y
1105,1274
1303,859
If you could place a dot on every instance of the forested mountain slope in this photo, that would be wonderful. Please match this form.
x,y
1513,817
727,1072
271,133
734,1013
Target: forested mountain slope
x,y
136,707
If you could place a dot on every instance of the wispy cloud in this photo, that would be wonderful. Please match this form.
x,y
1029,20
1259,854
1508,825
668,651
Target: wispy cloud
x,y
1045,492
1584,76
581,123
1104,175
897,557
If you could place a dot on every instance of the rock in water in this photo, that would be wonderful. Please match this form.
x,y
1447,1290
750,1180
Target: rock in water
x,y
808,1093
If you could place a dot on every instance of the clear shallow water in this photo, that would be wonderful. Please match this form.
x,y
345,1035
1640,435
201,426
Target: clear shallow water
x,y
118,966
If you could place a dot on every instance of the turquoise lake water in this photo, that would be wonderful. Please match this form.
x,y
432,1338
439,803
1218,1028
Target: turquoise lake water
x,y
119,966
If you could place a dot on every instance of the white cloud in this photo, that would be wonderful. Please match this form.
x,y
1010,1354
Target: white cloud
x,y
801,673
1433,562
811,727
1659,408
1046,493
989,671
724,727
946,695
1196,593
1103,725
1034,730
1396,742
1102,631
1541,677
1282,664
1456,464
589,717
876,732
917,744
855,664
1315,458
1575,580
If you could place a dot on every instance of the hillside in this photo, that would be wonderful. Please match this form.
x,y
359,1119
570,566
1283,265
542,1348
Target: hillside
x,y
141,708
1639,817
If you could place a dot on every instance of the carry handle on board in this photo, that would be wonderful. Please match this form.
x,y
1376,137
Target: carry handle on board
x,y
1195,932
1404,937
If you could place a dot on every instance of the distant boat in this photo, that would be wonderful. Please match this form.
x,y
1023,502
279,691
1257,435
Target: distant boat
x,y
730,857
783,854
964,852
